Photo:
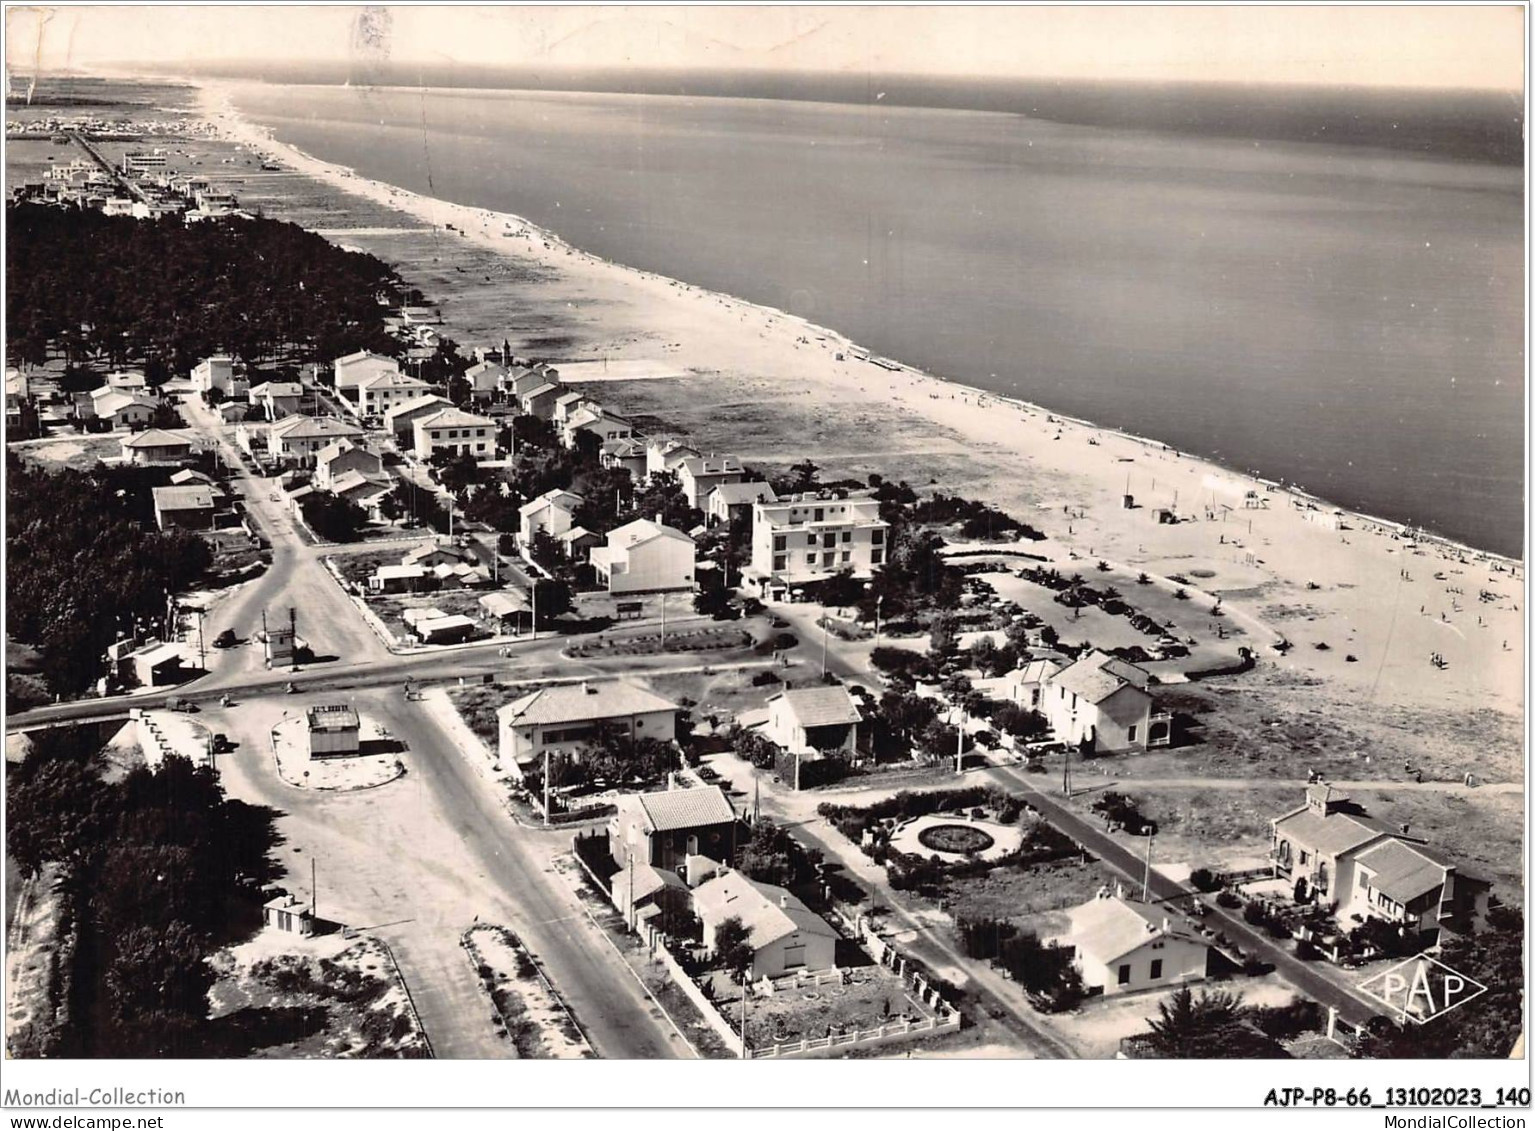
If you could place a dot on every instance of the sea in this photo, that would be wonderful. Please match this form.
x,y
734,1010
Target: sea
x,y
1342,310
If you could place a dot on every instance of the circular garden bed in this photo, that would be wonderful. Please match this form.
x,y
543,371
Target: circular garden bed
x,y
961,839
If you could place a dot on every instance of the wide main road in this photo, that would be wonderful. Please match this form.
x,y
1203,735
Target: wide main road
x,y
419,860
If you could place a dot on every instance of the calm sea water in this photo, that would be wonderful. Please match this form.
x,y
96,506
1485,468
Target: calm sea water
x,y
1346,318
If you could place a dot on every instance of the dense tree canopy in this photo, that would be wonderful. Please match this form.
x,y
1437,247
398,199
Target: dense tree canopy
x,y
169,293
83,564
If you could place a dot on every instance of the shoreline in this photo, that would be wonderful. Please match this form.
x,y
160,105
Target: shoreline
x,y
218,109
773,387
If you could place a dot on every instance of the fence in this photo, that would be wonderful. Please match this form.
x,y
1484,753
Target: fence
x,y
890,1031
690,989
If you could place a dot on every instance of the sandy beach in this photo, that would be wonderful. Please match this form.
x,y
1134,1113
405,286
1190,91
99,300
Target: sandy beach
x,y
1362,604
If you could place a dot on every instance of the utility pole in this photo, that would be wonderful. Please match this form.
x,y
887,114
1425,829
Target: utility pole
x,y
879,604
533,584
959,740
266,639
825,626
1066,773
202,652
293,636
314,891
663,620
1146,879
546,785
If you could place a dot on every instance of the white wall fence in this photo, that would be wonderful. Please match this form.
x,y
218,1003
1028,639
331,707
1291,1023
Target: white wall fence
x,y
890,1031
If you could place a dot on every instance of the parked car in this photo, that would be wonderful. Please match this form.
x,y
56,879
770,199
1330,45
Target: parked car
x,y
174,703
226,639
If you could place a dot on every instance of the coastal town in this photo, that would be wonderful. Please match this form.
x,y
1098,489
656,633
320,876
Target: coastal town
x,y
647,730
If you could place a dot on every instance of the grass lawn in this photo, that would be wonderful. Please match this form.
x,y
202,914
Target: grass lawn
x,y
872,995
1026,895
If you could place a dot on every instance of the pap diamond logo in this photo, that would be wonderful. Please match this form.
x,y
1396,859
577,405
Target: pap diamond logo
x,y
1421,989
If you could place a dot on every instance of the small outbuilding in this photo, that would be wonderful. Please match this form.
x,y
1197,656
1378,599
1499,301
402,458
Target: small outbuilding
x,y
334,730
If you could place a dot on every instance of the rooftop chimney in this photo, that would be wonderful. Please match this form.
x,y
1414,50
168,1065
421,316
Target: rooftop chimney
x,y
783,900
1404,828
587,689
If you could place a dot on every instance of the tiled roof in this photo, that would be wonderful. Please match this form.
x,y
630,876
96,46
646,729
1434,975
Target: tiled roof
x,y
312,428
565,500
1094,678
736,494
767,912
183,498
579,702
455,418
110,404
712,465
393,381
1332,834
822,706
643,530
157,438
1109,929
538,391
683,808
415,405
1403,871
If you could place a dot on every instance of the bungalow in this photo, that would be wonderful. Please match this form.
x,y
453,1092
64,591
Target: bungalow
x,y
187,477
365,491
336,459
444,630
156,446
821,721
400,579
539,401
485,380
453,430
578,543
731,501
664,829
355,368
277,399
183,508
431,556
505,610
1102,701
123,410
296,440
664,454
645,557
1123,945
523,380
567,405
1026,685
551,513
598,422
699,475
128,381
562,718
376,395
400,421
155,665
219,372
626,454
783,933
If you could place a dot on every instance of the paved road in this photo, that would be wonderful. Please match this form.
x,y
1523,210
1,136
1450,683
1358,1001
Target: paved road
x,y
1351,1007
416,861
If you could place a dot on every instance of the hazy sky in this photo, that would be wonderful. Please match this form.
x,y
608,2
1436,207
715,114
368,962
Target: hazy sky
x,y
1396,46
